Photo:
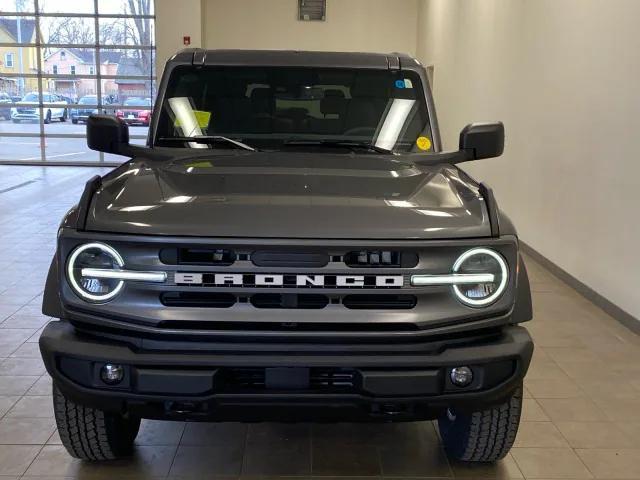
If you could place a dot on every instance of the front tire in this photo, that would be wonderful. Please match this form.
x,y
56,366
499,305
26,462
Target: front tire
x,y
484,435
91,434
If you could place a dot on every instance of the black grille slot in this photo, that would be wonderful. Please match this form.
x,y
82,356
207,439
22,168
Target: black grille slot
x,y
380,259
379,302
243,378
253,379
289,300
198,299
332,378
289,259
197,256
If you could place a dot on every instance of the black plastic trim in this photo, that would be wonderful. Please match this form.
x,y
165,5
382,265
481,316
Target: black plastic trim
x,y
90,188
492,208
51,304
523,308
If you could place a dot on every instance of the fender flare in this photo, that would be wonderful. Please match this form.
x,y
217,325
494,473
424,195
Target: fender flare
x,y
51,304
523,309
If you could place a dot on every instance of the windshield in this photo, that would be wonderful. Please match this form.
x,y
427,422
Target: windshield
x,y
138,102
31,97
273,107
88,101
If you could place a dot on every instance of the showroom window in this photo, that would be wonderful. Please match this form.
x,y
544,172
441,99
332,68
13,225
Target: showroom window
x,y
64,61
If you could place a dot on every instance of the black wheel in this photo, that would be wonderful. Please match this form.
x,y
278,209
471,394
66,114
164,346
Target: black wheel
x,y
482,436
74,121
47,118
91,434
15,121
63,118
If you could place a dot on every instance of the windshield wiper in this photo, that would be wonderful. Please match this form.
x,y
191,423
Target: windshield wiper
x,y
209,140
337,143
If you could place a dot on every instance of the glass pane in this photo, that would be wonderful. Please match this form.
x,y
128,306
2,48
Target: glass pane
x,y
16,6
63,6
19,100
68,30
19,148
125,7
127,31
68,100
17,30
70,150
67,89
69,61
136,64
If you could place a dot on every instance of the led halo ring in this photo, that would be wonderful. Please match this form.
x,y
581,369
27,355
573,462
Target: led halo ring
x,y
77,288
503,281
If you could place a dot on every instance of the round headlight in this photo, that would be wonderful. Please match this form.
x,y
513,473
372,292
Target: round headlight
x,y
94,255
481,261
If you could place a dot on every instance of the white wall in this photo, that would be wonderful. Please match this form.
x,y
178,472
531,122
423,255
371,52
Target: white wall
x,y
564,77
176,19
351,25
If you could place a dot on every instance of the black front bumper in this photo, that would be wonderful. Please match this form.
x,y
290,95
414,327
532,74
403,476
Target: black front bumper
x,y
250,385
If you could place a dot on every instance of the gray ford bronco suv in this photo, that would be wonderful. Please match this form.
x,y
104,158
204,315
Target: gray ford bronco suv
x,y
290,245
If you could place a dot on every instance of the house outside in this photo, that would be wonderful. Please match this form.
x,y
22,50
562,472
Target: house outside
x,y
17,60
76,61
133,87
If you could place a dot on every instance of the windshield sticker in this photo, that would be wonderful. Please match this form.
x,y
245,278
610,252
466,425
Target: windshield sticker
x,y
423,143
399,83
407,83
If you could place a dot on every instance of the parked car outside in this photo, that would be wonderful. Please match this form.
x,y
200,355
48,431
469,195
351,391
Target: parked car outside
x,y
80,113
5,110
27,108
136,111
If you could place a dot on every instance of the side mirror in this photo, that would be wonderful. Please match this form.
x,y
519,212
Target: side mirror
x,y
109,134
482,140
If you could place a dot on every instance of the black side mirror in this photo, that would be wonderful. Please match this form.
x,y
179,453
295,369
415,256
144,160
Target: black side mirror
x,y
109,134
482,140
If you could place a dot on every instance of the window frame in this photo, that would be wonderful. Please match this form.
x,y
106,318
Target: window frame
x,y
32,77
9,60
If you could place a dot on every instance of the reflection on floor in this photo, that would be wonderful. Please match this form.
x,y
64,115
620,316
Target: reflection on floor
x,y
581,416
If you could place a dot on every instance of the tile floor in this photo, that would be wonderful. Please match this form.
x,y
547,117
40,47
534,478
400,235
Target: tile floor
x,y
581,414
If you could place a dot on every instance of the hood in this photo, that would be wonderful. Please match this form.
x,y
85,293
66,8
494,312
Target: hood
x,y
289,195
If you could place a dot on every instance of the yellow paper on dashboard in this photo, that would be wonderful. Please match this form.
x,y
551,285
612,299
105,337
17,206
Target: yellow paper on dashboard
x,y
203,118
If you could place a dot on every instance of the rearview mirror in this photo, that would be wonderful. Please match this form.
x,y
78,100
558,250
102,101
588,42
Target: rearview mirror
x,y
482,140
109,134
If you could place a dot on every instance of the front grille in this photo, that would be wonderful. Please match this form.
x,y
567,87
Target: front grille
x,y
381,302
288,300
198,299
205,256
213,325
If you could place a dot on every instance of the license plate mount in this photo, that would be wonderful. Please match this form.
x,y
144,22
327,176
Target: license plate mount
x,y
287,378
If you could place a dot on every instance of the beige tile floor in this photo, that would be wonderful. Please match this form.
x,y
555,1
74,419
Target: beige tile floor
x,y
581,413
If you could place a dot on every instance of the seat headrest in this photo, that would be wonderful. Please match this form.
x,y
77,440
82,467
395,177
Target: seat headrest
x,y
333,102
262,99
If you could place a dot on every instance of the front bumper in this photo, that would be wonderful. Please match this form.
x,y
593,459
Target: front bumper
x,y
135,121
25,116
249,385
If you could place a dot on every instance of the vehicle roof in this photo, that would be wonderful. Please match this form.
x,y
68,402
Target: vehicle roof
x,y
299,58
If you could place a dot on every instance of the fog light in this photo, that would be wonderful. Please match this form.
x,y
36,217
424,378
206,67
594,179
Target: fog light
x,y
461,376
112,374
